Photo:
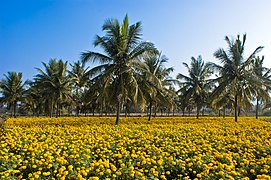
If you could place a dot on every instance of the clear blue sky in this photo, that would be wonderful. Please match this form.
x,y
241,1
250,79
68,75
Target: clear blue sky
x,y
32,31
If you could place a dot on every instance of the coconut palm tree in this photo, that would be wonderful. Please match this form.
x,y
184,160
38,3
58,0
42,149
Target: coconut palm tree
x,y
184,100
119,65
55,84
79,73
235,72
12,89
32,100
263,85
196,83
155,79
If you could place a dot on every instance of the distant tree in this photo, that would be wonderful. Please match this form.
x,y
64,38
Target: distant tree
x,y
184,100
263,85
32,101
80,77
12,89
196,83
54,83
235,72
156,81
120,63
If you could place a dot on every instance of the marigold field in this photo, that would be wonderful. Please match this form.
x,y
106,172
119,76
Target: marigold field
x,y
165,148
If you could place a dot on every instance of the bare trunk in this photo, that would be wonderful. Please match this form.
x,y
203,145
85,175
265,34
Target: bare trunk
x,y
236,108
77,110
155,109
126,109
224,112
183,112
14,109
198,112
57,109
257,108
150,110
118,113
118,108
51,109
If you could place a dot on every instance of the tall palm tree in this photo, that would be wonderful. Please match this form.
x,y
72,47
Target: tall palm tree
x,y
122,46
235,71
79,73
55,84
155,80
12,89
263,86
196,83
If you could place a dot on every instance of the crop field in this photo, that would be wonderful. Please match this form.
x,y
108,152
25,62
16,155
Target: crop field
x,y
165,148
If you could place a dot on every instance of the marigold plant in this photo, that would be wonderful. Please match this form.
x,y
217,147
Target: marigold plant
x,y
166,148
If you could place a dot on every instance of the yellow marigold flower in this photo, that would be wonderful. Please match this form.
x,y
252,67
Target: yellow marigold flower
x,y
46,173
70,167
108,171
93,178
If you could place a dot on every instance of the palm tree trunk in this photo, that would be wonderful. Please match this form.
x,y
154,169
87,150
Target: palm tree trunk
x,y
150,110
235,108
52,109
257,108
118,113
126,109
155,109
77,110
118,109
197,112
14,109
57,107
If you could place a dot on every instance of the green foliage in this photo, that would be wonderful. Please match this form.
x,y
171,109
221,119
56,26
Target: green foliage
x,y
195,87
236,76
120,65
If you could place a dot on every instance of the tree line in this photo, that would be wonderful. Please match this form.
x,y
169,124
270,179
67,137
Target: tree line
x,y
131,76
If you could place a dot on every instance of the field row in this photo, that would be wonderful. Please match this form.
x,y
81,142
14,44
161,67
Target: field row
x,y
166,148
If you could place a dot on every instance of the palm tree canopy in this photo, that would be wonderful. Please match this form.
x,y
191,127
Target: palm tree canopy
x,y
12,87
236,73
121,62
54,80
198,73
263,76
234,65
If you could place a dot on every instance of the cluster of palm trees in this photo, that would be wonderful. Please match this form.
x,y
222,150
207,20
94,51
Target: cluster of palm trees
x,y
131,76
